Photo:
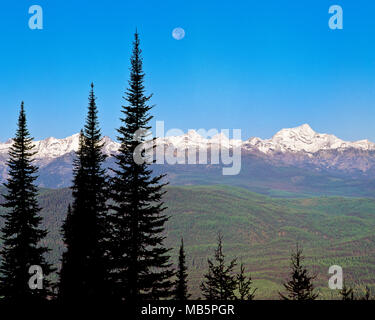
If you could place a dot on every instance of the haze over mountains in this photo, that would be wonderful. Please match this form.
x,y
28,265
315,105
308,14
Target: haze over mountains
x,y
294,149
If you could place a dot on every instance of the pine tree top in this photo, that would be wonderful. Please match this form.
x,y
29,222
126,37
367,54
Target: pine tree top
x,y
220,282
300,286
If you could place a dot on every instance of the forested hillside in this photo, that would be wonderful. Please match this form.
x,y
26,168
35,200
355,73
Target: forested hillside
x,y
260,230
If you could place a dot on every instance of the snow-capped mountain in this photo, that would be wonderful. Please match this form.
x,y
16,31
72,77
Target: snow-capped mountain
x,y
304,139
295,147
52,148
299,139
193,138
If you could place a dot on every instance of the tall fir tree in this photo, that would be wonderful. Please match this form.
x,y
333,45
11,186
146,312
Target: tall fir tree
x,y
141,267
220,282
22,234
181,284
245,286
84,273
300,286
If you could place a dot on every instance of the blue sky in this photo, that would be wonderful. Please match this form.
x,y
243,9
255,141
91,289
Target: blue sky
x,y
255,65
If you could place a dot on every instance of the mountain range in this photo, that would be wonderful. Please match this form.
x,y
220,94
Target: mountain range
x,y
299,176
295,149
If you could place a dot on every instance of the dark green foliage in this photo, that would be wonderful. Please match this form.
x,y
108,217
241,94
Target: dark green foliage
x,y
326,226
141,267
300,286
245,289
21,233
84,274
346,293
219,283
181,284
367,296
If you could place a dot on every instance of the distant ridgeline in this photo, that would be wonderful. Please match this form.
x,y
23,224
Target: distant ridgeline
x,y
294,162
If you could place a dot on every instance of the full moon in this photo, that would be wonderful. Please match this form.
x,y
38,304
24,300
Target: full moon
x,y
178,33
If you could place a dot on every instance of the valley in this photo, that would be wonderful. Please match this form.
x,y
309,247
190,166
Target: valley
x,y
259,230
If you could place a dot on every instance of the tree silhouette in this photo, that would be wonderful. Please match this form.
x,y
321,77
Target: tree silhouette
x,y
84,273
181,284
367,295
346,293
245,289
300,286
141,267
219,283
21,233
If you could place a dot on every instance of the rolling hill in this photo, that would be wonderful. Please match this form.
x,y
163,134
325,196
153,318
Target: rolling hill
x,y
257,229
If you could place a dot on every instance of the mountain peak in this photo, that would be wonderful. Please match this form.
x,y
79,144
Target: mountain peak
x,y
193,134
305,128
298,139
302,130
220,137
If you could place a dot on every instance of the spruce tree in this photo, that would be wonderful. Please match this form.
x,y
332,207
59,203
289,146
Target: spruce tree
x,y
181,284
300,286
220,283
244,284
84,273
346,293
22,234
141,267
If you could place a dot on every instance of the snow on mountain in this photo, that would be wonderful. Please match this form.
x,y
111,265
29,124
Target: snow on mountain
x,y
299,139
304,139
52,148
110,146
299,147
194,139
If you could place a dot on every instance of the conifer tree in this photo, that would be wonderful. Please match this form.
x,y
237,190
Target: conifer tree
x,y
22,233
141,267
219,283
245,289
367,295
84,273
346,293
300,286
181,284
